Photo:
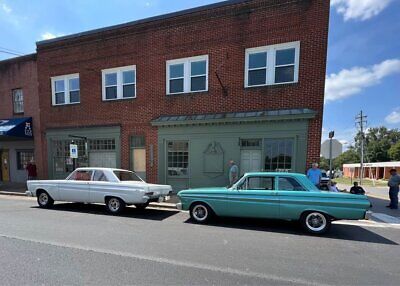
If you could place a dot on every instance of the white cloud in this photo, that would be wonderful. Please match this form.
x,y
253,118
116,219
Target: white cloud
x,y
393,117
48,36
7,9
350,82
359,9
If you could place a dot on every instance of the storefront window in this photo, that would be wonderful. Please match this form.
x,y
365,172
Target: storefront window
x,y
278,154
62,161
178,158
23,158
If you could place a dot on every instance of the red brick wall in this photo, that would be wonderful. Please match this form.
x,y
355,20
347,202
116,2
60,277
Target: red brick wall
x,y
223,34
21,73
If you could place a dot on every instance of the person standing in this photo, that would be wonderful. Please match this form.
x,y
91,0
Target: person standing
x,y
31,169
314,174
394,184
233,172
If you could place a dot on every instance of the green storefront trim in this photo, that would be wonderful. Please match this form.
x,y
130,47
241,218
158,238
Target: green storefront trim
x,y
227,133
108,132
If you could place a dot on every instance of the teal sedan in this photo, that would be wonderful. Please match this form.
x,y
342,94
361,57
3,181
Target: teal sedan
x,y
286,196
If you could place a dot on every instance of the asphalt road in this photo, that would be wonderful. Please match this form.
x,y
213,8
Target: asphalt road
x,y
78,244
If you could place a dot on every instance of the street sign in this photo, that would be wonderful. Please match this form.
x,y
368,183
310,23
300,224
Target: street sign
x,y
73,151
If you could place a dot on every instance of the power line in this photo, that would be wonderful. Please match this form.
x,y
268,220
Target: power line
x,y
10,53
10,50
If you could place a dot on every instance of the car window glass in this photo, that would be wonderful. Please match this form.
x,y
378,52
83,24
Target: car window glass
x,y
260,183
81,176
289,184
99,176
127,176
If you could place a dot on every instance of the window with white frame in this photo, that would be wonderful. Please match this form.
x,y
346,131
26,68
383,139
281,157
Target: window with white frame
x,y
187,75
119,83
65,89
269,65
18,101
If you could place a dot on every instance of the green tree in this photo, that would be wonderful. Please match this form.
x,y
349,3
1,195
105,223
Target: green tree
x,y
378,141
347,157
324,163
394,152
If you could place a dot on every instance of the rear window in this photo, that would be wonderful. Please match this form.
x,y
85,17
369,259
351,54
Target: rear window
x,y
127,176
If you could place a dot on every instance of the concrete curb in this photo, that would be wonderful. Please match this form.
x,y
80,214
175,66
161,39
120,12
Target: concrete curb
x,y
12,194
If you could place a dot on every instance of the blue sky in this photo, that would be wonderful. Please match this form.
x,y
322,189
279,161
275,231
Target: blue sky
x,y
363,56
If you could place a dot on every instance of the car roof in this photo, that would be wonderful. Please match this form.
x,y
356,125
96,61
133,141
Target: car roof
x,y
100,169
274,174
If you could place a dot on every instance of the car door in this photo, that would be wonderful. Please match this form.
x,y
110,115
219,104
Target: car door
x,y
76,188
254,197
98,186
293,197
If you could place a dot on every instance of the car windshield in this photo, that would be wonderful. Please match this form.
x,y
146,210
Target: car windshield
x,y
324,175
127,176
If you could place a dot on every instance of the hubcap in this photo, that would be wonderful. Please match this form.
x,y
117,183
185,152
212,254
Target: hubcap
x,y
43,199
200,212
316,221
114,205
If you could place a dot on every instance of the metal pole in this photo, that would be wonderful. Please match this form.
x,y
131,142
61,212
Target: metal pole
x,y
362,147
330,159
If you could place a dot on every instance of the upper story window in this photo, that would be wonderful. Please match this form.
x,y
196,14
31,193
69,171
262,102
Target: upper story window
x,y
271,65
18,101
119,83
187,75
65,89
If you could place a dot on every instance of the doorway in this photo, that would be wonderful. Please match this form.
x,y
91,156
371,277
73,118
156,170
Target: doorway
x,y
5,166
250,161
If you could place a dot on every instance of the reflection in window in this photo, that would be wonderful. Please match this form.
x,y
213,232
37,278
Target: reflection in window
x,y
99,176
178,158
260,183
278,155
289,184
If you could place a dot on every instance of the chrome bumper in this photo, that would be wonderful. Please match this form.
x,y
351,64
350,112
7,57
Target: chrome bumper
x,y
179,206
28,194
368,215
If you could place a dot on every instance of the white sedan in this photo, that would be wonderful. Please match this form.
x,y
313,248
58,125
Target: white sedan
x,y
115,188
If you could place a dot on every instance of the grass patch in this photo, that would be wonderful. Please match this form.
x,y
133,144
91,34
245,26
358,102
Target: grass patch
x,y
366,182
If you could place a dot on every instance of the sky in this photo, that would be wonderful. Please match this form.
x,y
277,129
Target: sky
x,y
363,64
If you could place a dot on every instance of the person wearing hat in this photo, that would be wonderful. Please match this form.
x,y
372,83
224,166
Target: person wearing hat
x,y
393,184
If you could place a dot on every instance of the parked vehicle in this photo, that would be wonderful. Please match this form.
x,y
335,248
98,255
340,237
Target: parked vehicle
x,y
115,188
285,196
324,180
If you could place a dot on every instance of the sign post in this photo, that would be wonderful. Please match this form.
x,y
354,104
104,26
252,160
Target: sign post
x,y
73,153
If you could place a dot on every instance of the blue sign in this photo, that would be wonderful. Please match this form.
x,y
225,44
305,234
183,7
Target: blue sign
x,y
17,127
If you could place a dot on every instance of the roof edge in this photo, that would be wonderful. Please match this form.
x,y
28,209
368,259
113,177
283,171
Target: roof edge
x,y
144,21
19,58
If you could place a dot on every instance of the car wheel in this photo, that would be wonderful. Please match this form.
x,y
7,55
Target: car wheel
x,y
315,222
200,213
115,205
141,206
44,200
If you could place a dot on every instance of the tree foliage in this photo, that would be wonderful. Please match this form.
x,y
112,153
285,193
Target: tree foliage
x,y
394,152
378,142
348,157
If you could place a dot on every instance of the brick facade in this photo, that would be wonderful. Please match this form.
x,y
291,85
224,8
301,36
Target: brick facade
x,y
21,73
223,33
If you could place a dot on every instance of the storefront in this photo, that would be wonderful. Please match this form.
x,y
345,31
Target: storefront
x,y
16,148
194,151
97,147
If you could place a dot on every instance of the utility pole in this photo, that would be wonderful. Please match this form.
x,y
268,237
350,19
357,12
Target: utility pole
x,y
361,121
331,135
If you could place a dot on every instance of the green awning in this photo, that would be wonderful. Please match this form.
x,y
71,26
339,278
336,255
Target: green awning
x,y
235,117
